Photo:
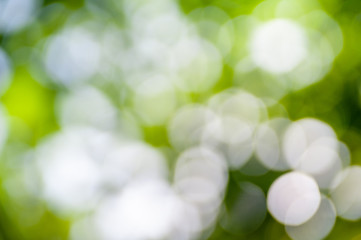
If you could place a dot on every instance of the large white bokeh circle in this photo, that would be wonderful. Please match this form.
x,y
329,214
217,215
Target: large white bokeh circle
x,y
346,194
293,198
319,226
302,134
278,46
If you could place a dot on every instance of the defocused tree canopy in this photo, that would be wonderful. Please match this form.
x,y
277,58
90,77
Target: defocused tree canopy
x,y
181,120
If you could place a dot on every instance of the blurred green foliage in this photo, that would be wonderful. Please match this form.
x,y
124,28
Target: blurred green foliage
x,y
335,100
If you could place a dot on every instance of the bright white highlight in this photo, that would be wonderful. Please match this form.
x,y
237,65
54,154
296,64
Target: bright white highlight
x,y
15,14
319,226
278,46
346,194
303,133
311,146
78,166
69,173
73,56
293,198
144,210
130,161
322,162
